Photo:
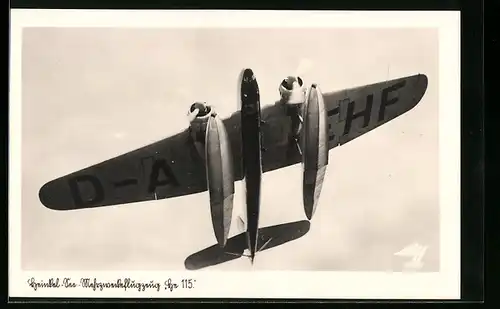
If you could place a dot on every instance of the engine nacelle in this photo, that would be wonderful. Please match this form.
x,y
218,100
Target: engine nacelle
x,y
220,177
210,139
292,91
198,115
314,148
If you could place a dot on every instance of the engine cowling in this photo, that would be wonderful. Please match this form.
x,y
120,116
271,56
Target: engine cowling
x,y
315,148
210,139
220,177
292,90
198,115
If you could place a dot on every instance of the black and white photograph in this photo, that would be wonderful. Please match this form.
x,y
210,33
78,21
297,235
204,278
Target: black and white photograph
x,y
231,146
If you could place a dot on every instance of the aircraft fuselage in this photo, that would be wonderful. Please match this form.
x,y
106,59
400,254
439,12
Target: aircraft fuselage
x,y
251,155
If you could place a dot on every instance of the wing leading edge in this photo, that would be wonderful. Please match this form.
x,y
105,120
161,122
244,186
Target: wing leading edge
x,y
172,167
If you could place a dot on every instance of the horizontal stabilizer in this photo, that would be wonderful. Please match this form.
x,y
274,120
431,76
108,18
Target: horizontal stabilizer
x,y
269,237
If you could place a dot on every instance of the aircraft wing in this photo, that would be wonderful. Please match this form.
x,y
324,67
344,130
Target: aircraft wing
x,y
354,112
351,113
168,168
172,167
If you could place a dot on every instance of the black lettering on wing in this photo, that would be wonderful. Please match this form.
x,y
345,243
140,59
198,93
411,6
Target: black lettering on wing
x,y
351,116
385,98
86,190
161,175
332,112
347,115
125,183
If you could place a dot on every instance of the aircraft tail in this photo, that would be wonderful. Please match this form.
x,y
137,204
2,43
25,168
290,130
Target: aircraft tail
x,y
245,254
269,237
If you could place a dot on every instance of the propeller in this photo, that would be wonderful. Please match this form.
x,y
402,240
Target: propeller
x,y
184,95
187,96
303,67
192,114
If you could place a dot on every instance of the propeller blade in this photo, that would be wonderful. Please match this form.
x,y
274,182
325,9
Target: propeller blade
x,y
192,115
304,66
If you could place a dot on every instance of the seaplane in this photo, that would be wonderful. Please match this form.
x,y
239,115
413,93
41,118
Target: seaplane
x,y
212,154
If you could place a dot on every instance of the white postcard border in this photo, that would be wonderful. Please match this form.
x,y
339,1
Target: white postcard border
x,y
268,284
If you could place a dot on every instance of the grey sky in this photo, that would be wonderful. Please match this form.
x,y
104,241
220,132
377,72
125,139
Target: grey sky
x,y
92,94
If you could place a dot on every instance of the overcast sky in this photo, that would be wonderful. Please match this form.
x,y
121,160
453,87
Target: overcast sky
x,y
92,94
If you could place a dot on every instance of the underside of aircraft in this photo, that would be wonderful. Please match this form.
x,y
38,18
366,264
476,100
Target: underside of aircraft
x,y
301,127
